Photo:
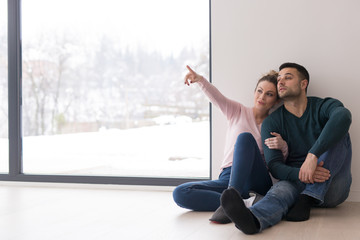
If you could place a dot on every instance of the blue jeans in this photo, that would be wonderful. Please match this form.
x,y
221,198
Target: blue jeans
x,y
274,206
248,172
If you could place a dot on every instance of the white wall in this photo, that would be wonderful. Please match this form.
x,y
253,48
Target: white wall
x,y
250,37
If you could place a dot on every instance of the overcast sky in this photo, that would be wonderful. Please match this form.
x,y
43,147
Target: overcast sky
x,y
164,25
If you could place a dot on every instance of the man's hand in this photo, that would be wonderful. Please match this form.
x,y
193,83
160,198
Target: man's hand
x,y
308,168
321,174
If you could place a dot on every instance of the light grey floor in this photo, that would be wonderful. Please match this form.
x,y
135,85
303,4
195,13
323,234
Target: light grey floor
x,y
91,212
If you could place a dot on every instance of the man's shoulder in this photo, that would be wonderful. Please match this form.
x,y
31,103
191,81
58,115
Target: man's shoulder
x,y
277,112
317,101
274,116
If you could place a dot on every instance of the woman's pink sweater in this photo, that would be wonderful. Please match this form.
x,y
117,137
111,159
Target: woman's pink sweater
x,y
240,119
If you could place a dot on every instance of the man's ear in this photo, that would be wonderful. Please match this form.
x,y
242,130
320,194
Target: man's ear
x,y
304,83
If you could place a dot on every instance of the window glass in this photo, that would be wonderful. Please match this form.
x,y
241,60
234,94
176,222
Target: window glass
x,y
4,140
103,90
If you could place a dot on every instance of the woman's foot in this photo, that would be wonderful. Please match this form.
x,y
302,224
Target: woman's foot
x,y
220,217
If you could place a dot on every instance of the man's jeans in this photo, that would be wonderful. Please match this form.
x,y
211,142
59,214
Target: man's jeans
x,y
276,203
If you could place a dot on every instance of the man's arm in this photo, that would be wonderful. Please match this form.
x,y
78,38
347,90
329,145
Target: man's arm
x,y
338,120
336,127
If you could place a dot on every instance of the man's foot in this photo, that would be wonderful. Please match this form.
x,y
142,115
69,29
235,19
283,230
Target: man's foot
x,y
301,210
235,209
219,216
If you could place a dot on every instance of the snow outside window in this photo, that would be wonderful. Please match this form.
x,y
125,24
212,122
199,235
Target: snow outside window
x,y
103,90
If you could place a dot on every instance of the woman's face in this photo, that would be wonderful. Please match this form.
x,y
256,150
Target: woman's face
x,y
265,96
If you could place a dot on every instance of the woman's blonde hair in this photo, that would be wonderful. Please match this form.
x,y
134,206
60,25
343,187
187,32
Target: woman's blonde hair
x,y
271,76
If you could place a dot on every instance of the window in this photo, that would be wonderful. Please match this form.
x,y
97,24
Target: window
x,y
103,92
4,141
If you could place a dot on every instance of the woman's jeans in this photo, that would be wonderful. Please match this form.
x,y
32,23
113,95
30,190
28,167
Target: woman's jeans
x,y
248,172
275,205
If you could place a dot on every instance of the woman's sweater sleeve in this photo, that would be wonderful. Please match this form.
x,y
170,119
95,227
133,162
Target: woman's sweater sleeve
x,y
226,105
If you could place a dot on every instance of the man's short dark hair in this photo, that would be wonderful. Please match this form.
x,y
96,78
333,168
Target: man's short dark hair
x,y
302,70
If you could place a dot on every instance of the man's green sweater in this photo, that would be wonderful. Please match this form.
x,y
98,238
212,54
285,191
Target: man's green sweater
x,y
324,123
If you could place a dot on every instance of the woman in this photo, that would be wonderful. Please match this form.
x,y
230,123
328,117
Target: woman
x,y
243,166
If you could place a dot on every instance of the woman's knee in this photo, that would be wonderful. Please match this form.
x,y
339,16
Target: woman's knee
x,y
179,194
245,138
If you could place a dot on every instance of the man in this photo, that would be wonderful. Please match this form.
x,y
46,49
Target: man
x,y
317,170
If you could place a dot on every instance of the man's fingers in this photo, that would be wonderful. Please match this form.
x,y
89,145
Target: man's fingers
x,y
323,170
311,180
306,178
320,178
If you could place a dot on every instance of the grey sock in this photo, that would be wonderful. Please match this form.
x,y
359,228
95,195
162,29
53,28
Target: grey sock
x,y
219,216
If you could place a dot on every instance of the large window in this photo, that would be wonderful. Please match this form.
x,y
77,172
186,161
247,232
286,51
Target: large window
x,y
4,141
103,91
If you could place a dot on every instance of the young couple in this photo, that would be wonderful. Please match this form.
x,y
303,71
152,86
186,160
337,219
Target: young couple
x,y
306,146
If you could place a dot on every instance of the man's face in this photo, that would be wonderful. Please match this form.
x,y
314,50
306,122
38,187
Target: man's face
x,y
289,84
